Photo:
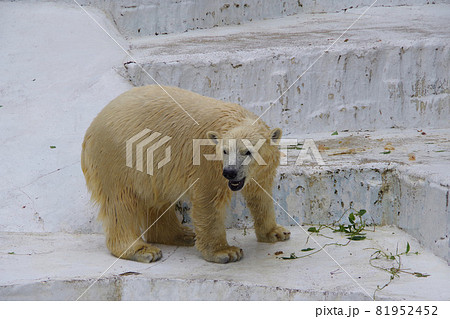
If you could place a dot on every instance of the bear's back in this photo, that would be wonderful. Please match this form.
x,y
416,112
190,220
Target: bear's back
x,y
172,111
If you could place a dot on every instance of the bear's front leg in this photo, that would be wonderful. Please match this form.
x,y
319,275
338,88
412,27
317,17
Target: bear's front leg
x,y
260,202
211,239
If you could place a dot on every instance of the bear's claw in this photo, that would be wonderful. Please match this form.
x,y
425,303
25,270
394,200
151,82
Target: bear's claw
x,y
278,233
226,255
147,254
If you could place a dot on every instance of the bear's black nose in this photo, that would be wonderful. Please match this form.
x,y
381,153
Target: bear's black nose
x,y
229,173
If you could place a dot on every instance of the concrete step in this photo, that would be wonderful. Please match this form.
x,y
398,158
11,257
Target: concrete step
x,y
61,266
135,18
389,70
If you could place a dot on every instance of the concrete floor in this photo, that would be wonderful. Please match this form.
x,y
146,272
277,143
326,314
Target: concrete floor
x,y
62,266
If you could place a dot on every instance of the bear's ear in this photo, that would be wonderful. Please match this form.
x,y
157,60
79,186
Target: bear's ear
x,y
275,135
213,137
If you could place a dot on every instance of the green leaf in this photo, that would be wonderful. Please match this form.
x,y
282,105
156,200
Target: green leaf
x,y
386,152
351,218
11,253
357,233
419,274
357,237
361,212
313,230
440,151
307,249
335,133
52,146
292,256
408,247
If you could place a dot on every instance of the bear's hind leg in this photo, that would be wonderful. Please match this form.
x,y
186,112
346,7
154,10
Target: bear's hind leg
x,y
165,228
123,231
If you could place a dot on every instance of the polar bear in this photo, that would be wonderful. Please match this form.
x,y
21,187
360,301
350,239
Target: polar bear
x,y
137,208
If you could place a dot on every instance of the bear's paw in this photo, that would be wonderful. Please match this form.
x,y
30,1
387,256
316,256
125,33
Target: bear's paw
x,y
225,255
278,233
147,254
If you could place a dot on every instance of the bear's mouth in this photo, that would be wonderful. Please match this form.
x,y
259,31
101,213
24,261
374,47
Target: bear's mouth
x,y
236,185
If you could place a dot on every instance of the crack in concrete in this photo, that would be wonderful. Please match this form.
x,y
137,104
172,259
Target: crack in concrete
x,y
36,214
47,174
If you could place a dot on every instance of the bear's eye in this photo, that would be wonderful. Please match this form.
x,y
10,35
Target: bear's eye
x,y
225,152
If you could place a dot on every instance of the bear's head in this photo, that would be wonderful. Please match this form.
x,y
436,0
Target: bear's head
x,y
246,150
